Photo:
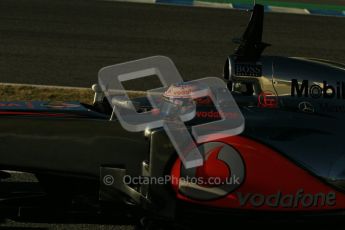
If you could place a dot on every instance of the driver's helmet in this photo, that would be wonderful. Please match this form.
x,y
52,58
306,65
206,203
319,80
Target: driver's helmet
x,y
179,97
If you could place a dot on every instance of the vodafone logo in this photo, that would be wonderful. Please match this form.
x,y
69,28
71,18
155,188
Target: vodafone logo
x,y
222,173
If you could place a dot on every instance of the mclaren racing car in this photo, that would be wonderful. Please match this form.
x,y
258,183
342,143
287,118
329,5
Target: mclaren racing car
x,y
286,162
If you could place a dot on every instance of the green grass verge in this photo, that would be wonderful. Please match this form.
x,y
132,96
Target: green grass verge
x,y
284,4
32,93
15,92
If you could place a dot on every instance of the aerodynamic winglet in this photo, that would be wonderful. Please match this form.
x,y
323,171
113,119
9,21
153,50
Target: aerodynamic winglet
x,y
251,45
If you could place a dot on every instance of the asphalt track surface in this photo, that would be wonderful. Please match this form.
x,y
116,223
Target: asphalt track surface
x,y
65,42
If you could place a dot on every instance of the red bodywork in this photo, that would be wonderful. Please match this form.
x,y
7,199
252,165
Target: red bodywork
x,y
267,172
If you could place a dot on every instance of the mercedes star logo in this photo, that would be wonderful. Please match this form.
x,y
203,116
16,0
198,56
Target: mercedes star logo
x,y
306,107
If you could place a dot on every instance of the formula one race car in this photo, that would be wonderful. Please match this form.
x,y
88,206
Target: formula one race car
x,y
287,164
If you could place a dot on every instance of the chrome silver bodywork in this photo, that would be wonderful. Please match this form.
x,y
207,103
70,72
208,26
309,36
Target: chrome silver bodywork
x,y
278,72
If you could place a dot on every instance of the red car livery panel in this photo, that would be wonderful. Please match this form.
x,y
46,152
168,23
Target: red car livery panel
x,y
240,173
